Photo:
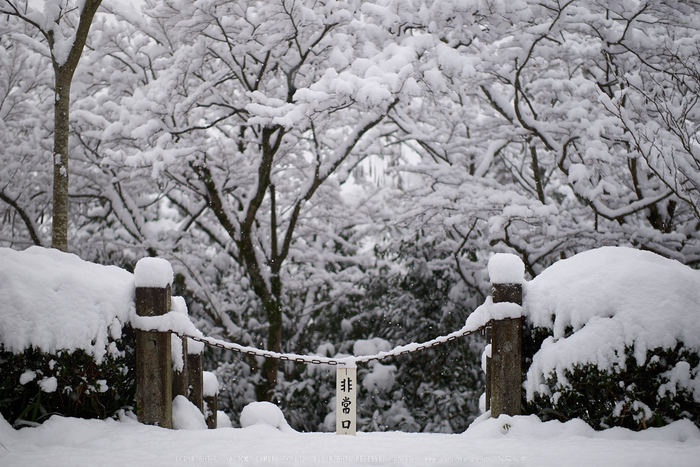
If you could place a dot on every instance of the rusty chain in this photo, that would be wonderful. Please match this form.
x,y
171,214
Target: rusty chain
x,y
318,360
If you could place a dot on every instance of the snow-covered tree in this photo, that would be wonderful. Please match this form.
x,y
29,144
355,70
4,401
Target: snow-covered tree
x,y
236,138
64,26
25,105
542,156
251,116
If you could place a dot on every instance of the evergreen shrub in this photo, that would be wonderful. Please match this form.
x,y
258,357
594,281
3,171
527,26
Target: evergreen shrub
x,y
633,396
82,387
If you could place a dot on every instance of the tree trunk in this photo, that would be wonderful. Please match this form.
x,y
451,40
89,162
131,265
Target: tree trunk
x,y
59,228
266,388
63,78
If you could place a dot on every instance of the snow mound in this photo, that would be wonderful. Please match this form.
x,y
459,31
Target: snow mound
x,y
381,378
264,413
54,301
370,346
222,420
506,268
186,415
153,272
531,428
526,441
599,302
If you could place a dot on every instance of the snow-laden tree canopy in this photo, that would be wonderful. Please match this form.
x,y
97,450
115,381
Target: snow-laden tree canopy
x,y
292,157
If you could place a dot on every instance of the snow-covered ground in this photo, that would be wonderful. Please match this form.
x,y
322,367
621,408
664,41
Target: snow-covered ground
x,y
503,441
621,289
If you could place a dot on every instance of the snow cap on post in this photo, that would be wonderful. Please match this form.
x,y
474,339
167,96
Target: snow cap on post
x,y
211,384
153,272
506,268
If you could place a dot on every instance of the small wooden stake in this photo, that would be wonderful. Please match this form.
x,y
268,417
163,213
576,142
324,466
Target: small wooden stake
x,y
194,378
212,408
346,401
180,377
211,398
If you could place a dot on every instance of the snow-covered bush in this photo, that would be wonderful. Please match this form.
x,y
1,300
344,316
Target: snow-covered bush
x,y
36,384
66,346
613,338
633,396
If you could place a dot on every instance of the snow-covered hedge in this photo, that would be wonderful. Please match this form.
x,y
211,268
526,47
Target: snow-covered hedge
x,y
613,337
63,323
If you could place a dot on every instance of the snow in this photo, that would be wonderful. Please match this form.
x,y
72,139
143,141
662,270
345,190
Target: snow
x,y
507,440
222,420
612,298
194,347
505,310
52,300
27,376
370,346
488,311
49,384
153,272
171,321
186,416
506,268
606,300
176,353
210,384
381,378
178,304
264,413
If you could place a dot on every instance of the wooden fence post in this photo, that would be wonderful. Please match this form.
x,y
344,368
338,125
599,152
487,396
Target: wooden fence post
x,y
154,397
195,391
211,398
506,272
180,375
179,354
487,370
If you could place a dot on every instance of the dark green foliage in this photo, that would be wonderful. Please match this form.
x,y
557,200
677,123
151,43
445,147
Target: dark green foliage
x,y
306,400
436,390
85,388
634,396
531,343
439,387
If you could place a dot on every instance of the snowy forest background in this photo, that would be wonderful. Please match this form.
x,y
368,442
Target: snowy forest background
x,y
323,172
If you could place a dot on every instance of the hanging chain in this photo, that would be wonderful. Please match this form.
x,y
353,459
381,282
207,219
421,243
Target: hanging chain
x,y
318,360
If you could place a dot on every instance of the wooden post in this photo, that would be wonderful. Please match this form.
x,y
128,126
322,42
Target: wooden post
x,y
212,406
506,273
195,392
211,398
180,376
154,386
506,349
179,353
487,389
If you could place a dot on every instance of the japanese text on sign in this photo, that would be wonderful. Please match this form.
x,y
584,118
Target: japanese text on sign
x,y
346,405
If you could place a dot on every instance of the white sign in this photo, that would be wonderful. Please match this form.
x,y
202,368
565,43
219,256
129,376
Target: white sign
x,y
346,401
